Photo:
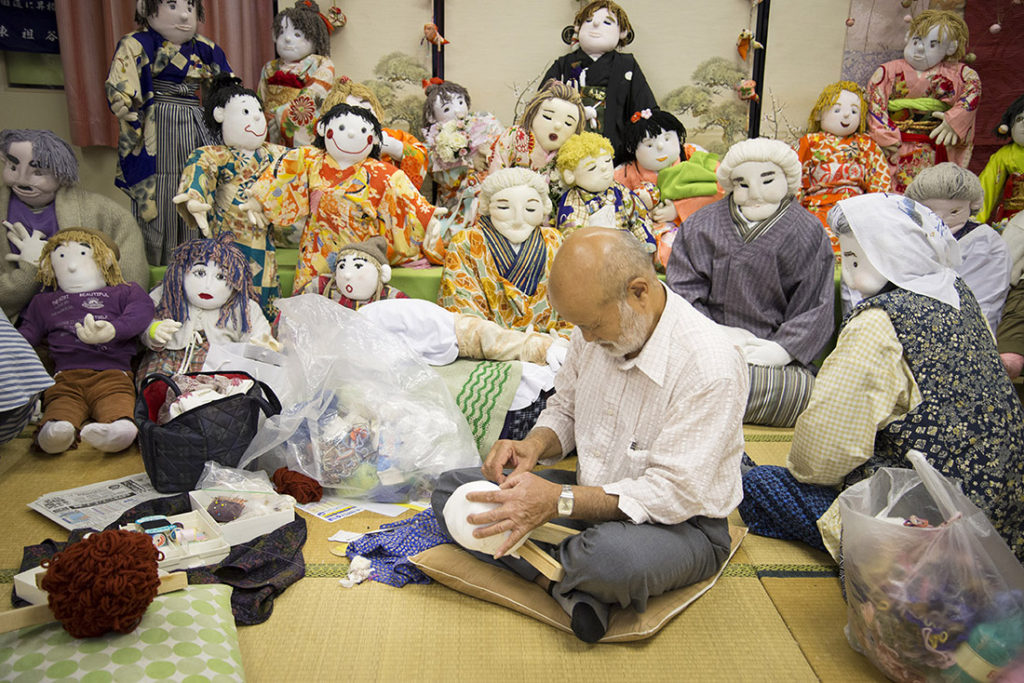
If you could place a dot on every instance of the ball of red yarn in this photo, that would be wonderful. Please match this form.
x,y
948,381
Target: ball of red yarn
x,y
103,583
297,485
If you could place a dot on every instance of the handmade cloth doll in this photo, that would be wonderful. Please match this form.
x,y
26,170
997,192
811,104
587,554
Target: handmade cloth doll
x,y
346,194
213,195
672,178
206,298
1003,176
459,143
839,159
914,366
151,87
953,194
360,275
293,86
554,113
922,107
89,318
610,82
498,269
759,264
594,198
397,147
40,196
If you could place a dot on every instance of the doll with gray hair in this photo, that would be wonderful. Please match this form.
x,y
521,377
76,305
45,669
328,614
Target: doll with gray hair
x,y
954,193
761,265
38,197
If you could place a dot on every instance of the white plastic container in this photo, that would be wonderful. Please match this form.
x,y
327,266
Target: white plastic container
x,y
263,513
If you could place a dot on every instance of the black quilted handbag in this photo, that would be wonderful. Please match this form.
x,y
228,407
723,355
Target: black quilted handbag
x,y
175,452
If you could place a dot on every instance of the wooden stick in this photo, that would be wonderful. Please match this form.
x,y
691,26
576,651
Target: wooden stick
x,y
552,533
544,563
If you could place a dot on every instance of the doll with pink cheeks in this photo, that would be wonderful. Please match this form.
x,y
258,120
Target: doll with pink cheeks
x,y
1003,177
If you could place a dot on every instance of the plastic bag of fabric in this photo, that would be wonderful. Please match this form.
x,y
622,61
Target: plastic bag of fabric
x,y
364,416
933,591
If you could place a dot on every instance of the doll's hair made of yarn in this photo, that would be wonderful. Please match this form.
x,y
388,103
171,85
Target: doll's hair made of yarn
x,y
104,252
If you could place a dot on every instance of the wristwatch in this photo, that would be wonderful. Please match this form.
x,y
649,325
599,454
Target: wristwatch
x,y
566,501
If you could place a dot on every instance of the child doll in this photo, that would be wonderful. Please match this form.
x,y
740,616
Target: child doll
x,y
672,179
397,147
90,324
361,275
459,143
1003,176
610,82
152,85
214,190
593,197
839,160
346,194
206,298
554,113
954,193
922,107
294,85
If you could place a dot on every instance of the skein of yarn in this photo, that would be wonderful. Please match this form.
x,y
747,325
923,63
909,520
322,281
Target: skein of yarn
x,y
297,485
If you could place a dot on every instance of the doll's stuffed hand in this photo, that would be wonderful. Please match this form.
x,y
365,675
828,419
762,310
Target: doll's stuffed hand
x,y
254,211
737,335
603,217
198,210
161,331
122,111
764,352
555,356
391,146
435,230
267,342
30,245
943,133
664,212
92,331
645,198
591,114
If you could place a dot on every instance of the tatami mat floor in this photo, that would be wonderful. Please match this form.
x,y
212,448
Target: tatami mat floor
x,y
776,614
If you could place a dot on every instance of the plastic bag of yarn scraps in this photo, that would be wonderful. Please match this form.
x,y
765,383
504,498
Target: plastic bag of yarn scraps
x,y
933,591
364,415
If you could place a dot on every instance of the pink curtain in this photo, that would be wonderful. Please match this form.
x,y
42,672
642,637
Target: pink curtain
x,y
89,31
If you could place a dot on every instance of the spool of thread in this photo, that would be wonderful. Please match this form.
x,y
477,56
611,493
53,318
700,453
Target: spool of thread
x,y
990,647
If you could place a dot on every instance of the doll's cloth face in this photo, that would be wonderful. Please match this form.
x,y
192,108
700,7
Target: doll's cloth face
x,y
175,20
36,187
348,138
843,117
659,151
593,174
555,121
924,53
953,212
243,124
516,212
450,109
75,268
356,277
758,189
206,287
1017,130
858,272
291,43
600,33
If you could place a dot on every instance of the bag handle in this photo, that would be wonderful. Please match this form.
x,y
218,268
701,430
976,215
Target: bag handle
x,y
159,376
271,405
934,483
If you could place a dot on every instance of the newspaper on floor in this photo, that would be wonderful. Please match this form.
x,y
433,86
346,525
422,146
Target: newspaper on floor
x,y
96,506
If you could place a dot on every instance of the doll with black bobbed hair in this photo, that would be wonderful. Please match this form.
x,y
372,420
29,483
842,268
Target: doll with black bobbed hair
x,y
1003,177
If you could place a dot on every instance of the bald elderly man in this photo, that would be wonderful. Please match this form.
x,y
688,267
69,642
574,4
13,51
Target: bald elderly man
x,y
651,398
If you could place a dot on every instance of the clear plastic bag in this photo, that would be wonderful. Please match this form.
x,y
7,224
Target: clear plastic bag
x,y
364,415
933,592
222,478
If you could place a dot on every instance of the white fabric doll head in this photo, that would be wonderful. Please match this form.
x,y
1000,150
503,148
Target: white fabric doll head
x,y
445,101
236,112
517,202
1012,123
951,191
175,20
759,173
655,138
79,260
361,269
585,161
554,113
840,110
935,36
600,26
300,31
349,134
37,163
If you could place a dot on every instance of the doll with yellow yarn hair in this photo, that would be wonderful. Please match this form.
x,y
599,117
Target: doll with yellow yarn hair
x,y
397,147
838,159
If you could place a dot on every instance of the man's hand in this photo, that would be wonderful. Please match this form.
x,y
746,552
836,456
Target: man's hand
x,y
943,134
520,456
664,212
30,245
524,502
92,331
122,111
1014,363
198,210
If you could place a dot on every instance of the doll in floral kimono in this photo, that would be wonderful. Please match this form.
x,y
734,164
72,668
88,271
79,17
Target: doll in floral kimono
x,y
213,194
294,85
397,147
459,143
152,88
206,298
922,107
839,159
593,197
346,194
360,275
1003,177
